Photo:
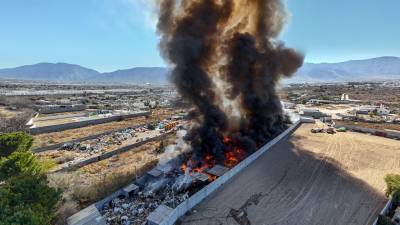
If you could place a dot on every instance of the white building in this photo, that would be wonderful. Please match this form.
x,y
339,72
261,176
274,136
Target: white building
x,y
382,111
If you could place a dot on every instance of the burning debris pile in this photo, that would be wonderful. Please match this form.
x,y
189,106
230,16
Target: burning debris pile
x,y
163,186
226,61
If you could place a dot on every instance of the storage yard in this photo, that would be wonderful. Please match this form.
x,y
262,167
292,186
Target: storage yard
x,y
309,179
99,179
47,139
75,153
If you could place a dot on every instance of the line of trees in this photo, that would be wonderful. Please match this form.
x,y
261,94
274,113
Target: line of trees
x,y
25,197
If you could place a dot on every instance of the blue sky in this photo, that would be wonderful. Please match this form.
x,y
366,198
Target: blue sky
x,y
114,34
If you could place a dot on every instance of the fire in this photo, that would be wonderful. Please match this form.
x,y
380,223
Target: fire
x,y
183,167
227,140
234,157
207,163
233,154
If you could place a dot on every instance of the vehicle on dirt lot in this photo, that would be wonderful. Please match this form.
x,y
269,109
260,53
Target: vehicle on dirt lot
x,y
317,130
330,130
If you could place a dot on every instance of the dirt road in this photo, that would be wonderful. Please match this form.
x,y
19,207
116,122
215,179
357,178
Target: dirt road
x,y
307,179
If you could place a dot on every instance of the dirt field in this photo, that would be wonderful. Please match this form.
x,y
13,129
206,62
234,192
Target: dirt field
x,y
307,179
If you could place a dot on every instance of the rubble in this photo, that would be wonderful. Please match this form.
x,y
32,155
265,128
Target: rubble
x,y
164,187
134,210
218,170
99,144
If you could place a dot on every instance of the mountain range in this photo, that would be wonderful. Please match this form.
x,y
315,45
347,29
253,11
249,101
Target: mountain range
x,y
381,68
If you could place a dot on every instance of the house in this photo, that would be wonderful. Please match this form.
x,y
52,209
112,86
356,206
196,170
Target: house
x,y
382,111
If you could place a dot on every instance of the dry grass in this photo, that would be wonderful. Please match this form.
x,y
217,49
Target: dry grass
x,y
66,209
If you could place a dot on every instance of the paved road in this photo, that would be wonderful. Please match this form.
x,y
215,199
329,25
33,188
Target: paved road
x,y
307,179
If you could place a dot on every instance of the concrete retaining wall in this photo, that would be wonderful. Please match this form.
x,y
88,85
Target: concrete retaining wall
x,y
60,109
109,154
73,125
384,210
195,199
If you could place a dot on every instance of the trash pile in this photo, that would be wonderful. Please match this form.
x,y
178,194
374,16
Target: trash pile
x,y
135,210
163,185
99,144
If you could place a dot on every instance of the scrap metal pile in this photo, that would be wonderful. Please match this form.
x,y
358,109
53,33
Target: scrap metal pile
x,y
163,186
101,143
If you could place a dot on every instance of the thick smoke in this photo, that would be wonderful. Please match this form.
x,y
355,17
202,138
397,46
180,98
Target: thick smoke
x,y
226,62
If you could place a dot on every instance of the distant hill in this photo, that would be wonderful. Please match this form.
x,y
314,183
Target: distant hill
x,y
381,68
49,71
138,75
63,72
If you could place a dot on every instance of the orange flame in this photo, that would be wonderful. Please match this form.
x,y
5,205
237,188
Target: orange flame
x,y
233,155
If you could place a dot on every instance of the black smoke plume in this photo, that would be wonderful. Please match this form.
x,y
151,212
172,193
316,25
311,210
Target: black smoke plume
x,y
227,62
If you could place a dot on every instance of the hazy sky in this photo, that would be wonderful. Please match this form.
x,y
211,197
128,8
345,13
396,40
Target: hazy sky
x,y
116,34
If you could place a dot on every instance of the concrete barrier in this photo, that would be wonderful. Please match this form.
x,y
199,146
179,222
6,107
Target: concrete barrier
x,y
73,125
384,210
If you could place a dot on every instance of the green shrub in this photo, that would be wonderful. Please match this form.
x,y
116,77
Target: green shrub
x,y
392,183
25,197
17,141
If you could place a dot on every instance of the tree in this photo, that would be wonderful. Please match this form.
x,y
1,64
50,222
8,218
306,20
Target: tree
x,y
19,163
25,197
17,141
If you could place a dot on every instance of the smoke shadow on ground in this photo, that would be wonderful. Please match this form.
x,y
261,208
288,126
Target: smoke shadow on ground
x,y
290,185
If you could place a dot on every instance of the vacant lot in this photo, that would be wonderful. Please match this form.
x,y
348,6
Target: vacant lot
x,y
307,179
